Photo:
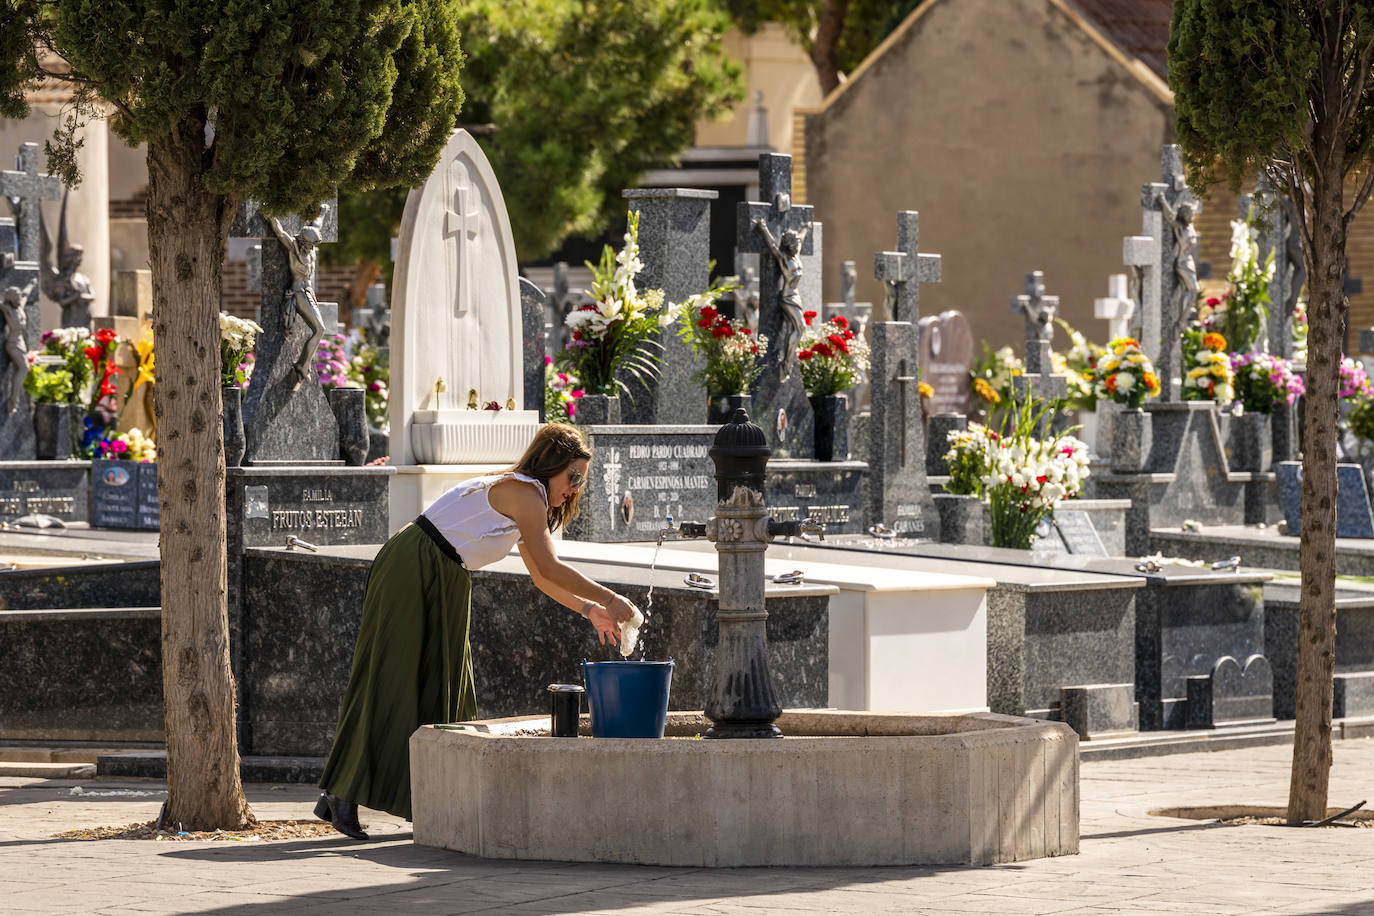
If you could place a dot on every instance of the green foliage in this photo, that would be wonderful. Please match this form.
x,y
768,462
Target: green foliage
x,y
1240,73
50,385
866,22
300,98
586,96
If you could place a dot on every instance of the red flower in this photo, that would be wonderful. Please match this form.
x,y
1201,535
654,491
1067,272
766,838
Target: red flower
x,y
704,323
823,350
840,321
709,313
94,353
577,335
804,355
1213,301
720,330
107,387
836,339
727,329
745,331
1041,479
844,347
104,336
587,308
111,369
848,335
756,349
808,315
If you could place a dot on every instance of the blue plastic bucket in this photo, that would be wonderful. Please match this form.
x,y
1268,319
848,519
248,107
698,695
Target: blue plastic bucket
x,y
628,699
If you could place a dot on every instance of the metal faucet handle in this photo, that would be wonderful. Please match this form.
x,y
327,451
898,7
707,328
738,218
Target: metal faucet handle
x,y
293,542
812,524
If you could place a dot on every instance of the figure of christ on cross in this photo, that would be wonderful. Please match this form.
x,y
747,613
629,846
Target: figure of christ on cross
x,y
787,252
1185,266
16,328
302,252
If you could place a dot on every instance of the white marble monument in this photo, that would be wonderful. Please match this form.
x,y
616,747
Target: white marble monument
x,y
456,335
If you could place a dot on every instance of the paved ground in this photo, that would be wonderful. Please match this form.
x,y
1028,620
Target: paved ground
x,y
1130,861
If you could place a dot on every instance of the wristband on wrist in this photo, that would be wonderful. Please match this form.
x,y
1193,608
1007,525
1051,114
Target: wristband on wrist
x,y
587,608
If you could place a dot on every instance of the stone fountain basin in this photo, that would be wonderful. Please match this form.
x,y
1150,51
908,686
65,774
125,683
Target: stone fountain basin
x,y
844,788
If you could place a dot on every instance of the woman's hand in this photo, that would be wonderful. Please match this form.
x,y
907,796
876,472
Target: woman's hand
x,y
606,626
621,608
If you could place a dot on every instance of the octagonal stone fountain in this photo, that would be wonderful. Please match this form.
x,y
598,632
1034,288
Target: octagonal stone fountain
x,y
744,782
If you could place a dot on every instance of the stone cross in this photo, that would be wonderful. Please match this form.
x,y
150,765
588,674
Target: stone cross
x,y
373,320
786,420
285,422
747,298
1038,310
1169,209
16,421
1281,234
26,189
1141,254
463,219
1117,308
904,270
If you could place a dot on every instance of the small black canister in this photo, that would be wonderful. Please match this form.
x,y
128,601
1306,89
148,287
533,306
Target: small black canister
x,y
565,709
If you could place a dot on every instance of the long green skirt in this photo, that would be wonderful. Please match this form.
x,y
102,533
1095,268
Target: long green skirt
x,y
411,667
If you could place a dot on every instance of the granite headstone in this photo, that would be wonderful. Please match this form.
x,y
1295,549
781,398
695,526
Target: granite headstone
x,y
1353,515
534,344
946,344
286,418
124,495
674,246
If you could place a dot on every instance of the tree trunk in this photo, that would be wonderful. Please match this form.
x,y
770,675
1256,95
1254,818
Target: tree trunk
x,y
1311,772
187,226
825,47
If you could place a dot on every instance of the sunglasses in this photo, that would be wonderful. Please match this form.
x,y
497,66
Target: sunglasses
x,y
576,478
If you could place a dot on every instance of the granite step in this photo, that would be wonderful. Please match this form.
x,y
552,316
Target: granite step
x,y
1223,738
153,765
35,770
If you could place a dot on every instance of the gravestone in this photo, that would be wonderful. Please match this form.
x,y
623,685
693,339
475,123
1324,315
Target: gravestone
x,y
674,246
534,345
56,488
946,352
124,495
848,279
1169,210
19,321
458,322
1353,516
858,315
899,495
286,416
29,189
1068,532
133,295
1117,308
1038,311
783,411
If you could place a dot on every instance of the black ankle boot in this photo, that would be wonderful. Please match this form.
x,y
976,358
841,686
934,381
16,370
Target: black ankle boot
x,y
342,814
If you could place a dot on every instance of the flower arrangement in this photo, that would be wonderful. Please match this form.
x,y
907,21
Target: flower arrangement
x,y
60,372
1124,374
617,331
370,370
1360,418
1354,381
1249,285
1263,380
130,446
985,392
1022,477
561,391
1076,366
331,361
237,336
967,458
996,369
1208,376
832,358
732,352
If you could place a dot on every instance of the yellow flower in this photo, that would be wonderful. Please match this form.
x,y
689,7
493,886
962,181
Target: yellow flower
x,y
925,390
144,348
986,391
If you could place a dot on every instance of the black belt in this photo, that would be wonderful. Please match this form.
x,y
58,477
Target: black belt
x,y
439,540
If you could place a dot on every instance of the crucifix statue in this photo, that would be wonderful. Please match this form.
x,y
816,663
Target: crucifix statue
x,y
303,255
1185,236
787,252
62,282
12,308
1039,312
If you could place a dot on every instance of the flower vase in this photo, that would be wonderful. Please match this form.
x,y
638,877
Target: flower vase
x,y
831,426
1249,443
52,429
597,410
1131,439
351,414
231,401
721,407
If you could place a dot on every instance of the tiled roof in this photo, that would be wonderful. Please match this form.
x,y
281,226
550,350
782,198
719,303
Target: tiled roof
x,y
1140,28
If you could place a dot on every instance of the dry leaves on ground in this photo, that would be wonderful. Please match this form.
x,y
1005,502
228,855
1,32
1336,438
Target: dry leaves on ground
x,y
262,830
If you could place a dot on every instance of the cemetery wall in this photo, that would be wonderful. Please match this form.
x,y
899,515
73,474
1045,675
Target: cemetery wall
x,y
1022,137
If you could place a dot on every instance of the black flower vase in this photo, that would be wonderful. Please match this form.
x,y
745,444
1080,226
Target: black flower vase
x,y
721,407
831,426
351,414
52,429
231,407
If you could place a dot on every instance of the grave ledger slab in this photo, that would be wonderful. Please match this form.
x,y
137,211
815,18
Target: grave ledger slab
x,y
56,488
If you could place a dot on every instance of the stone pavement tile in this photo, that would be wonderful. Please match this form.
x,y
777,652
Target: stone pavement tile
x,y
207,902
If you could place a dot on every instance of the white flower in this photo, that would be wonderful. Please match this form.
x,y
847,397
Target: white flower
x,y
1124,381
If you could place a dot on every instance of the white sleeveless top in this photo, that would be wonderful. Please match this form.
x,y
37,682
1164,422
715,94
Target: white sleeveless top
x,y
465,518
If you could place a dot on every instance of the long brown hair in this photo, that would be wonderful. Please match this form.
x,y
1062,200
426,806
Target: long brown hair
x,y
554,448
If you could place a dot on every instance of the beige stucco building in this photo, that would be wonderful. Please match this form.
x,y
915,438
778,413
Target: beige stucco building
x,y
1020,131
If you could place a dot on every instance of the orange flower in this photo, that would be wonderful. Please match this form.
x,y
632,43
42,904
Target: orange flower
x,y
925,390
1214,341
